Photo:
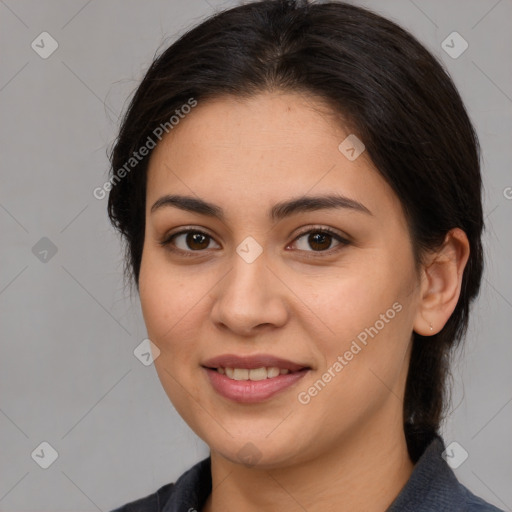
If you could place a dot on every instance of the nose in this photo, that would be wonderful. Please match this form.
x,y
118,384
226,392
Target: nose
x,y
250,299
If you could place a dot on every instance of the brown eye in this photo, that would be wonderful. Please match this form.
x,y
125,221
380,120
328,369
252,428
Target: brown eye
x,y
319,240
189,241
197,241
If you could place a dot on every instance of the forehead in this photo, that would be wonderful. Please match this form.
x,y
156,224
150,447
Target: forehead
x,y
259,150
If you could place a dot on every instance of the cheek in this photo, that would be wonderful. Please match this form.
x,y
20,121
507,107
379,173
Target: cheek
x,y
364,361
350,302
171,303
166,295
369,313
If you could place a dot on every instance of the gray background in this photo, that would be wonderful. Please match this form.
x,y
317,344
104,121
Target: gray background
x,y
68,374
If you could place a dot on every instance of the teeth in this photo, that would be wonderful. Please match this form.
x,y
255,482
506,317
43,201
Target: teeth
x,y
241,374
258,374
253,373
272,372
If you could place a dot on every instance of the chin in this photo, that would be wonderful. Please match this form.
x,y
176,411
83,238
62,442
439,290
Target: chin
x,y
260,452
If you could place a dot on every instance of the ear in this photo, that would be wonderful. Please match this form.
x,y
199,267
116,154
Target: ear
x,y
441,281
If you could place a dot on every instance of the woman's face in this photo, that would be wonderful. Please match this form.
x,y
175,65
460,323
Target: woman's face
x,y
258,276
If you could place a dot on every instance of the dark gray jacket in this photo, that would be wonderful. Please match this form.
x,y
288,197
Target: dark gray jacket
x,y
432,487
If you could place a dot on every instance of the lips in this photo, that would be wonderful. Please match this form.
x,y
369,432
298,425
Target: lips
x,y
231,376
252,362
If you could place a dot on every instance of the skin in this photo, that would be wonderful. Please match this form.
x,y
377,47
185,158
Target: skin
x,y
345,449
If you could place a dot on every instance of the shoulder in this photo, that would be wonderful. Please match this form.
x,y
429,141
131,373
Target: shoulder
x,y
192,488
433,486
151,503
475,504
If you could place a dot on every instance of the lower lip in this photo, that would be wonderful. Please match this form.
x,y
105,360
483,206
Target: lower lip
x,y
252,391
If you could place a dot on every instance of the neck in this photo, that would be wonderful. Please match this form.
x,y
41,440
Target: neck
x,y
365,471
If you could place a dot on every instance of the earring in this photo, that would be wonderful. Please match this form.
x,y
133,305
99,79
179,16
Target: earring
x,y
431,328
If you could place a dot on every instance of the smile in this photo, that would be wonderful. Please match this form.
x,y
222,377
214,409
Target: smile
x,y
252,374
252,379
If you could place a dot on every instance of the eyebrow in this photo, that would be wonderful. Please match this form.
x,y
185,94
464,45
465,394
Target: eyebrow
x,y
277,212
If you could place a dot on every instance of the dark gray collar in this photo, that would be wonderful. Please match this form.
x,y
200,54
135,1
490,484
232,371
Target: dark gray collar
x,y
431,487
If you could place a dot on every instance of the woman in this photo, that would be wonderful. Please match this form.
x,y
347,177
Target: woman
x,y
299,189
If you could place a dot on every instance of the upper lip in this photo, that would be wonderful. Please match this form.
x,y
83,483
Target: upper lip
x,y
250,362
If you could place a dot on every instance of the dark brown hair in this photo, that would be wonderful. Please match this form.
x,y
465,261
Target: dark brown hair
x,y
397,98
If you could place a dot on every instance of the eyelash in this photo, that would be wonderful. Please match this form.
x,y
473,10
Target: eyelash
x,y
167,241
